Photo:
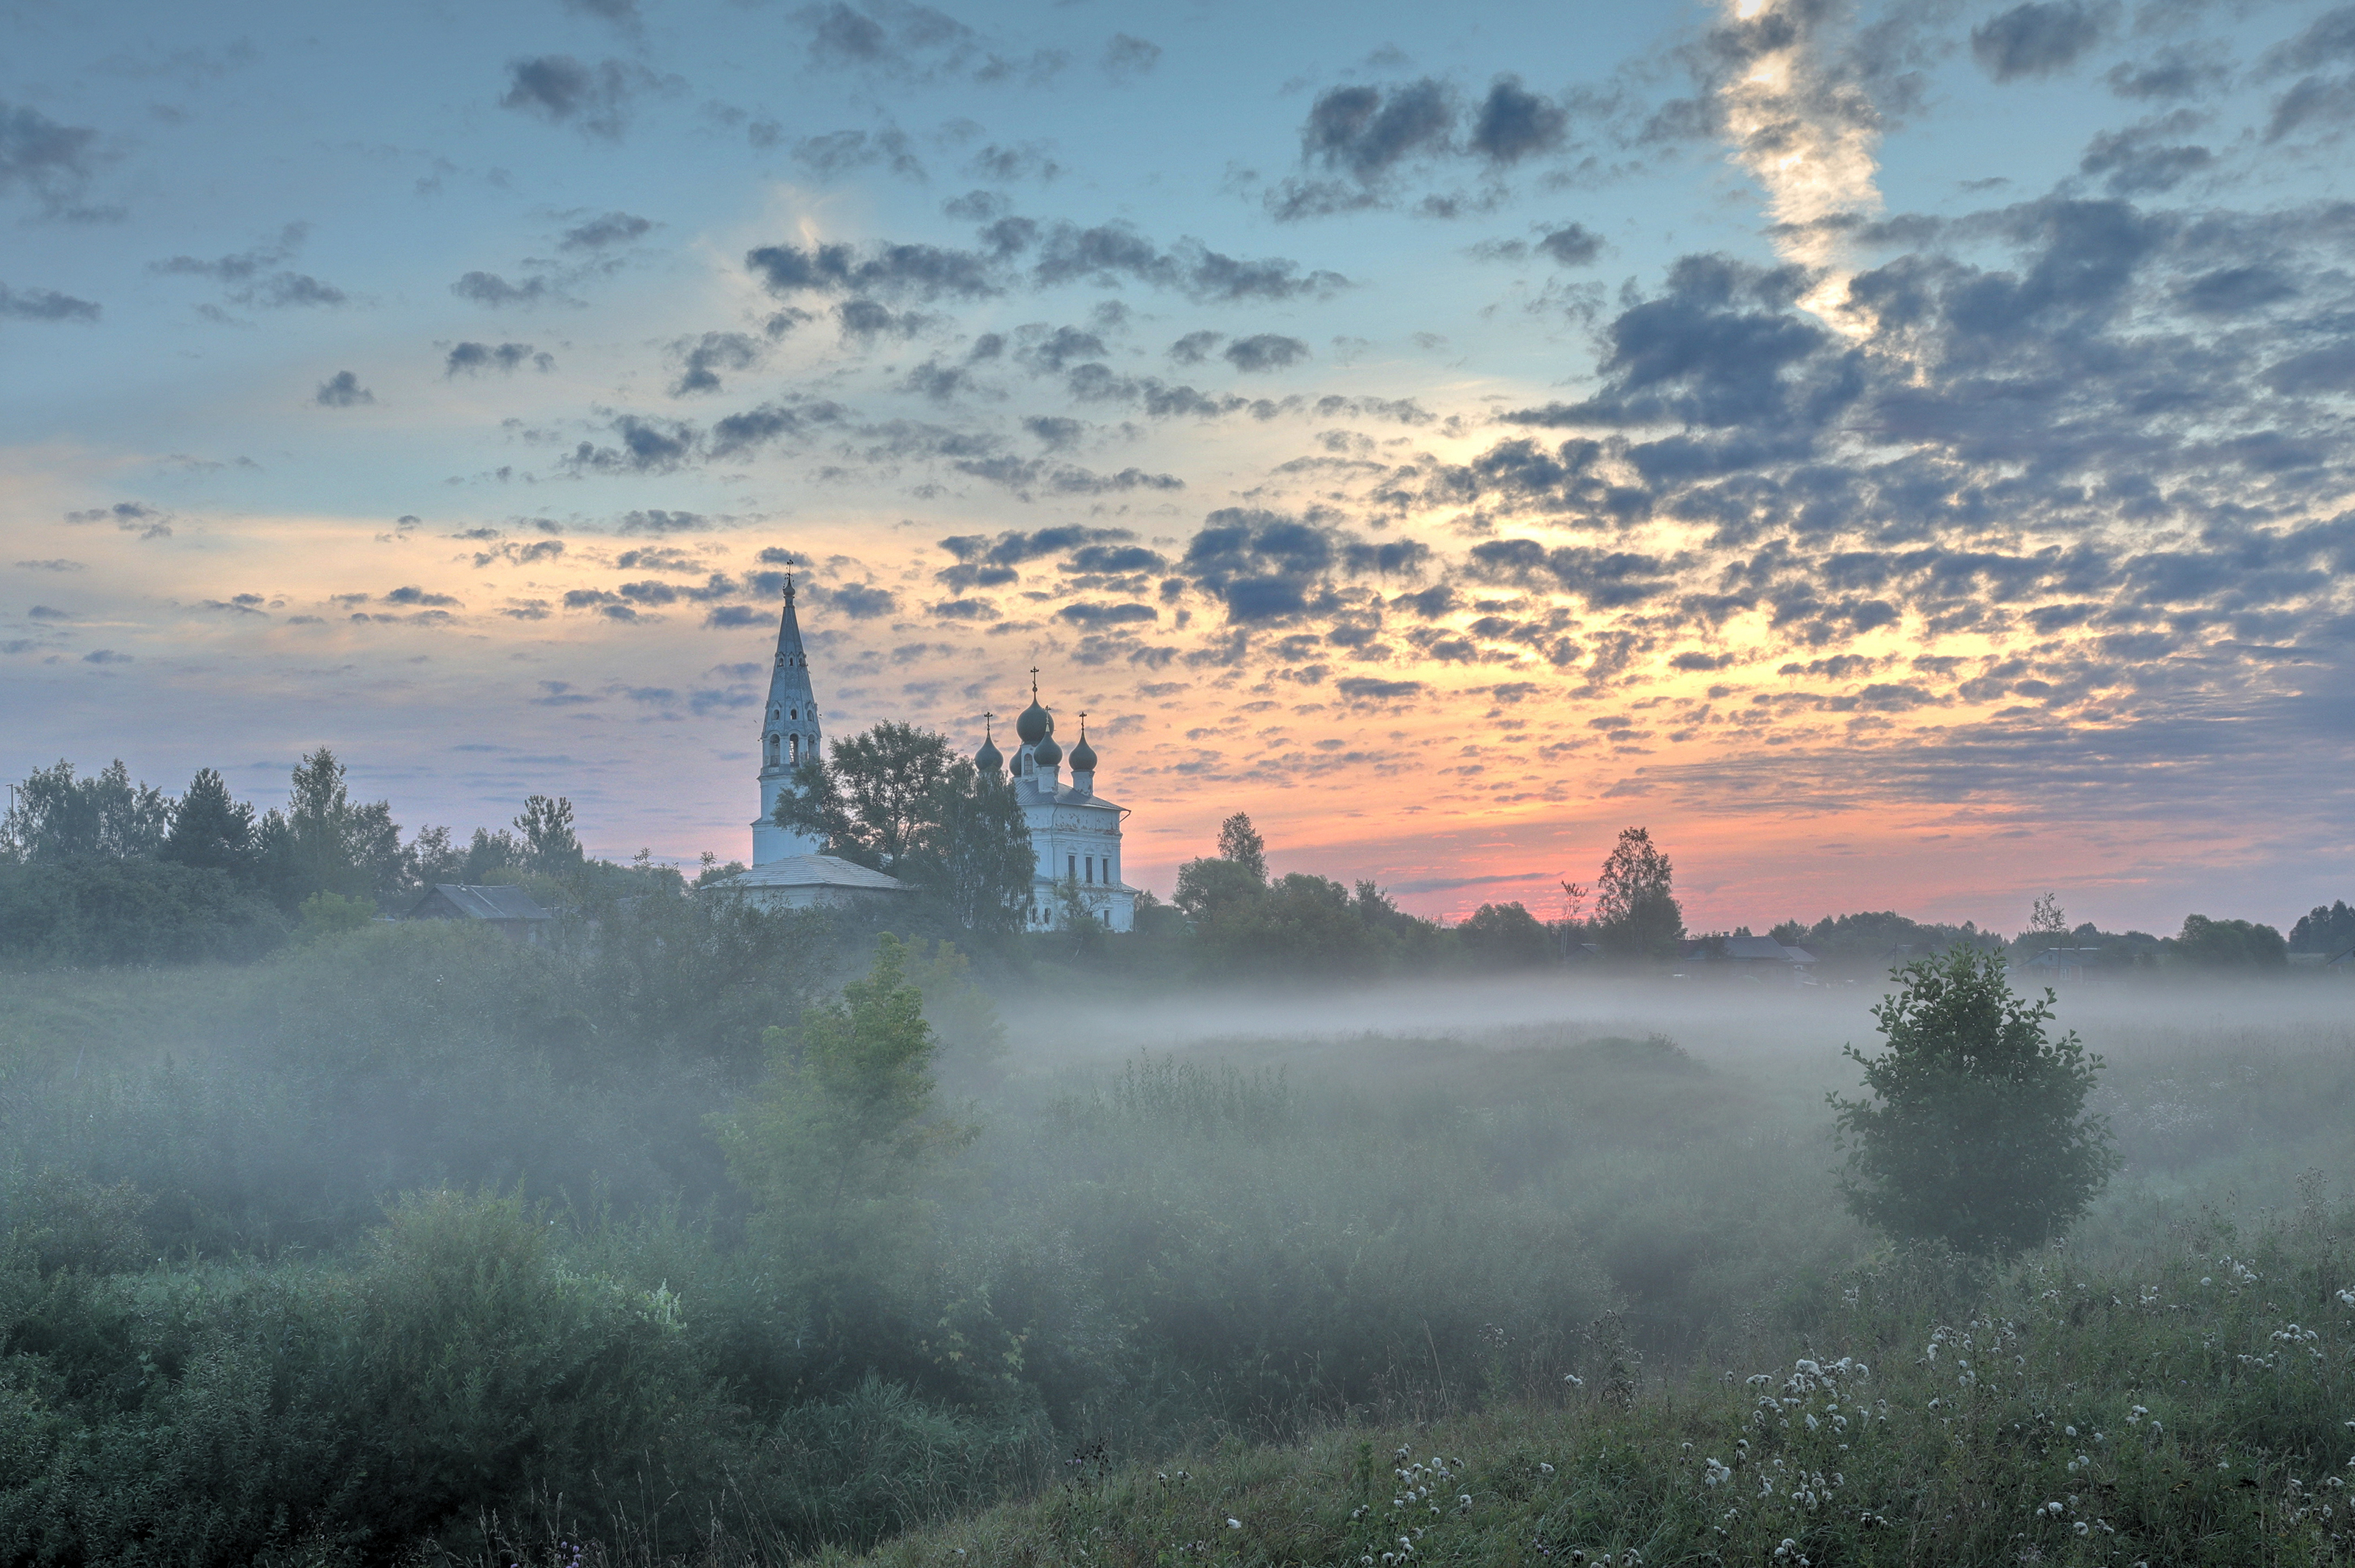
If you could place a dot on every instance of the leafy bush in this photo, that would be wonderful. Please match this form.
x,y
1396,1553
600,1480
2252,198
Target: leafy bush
x,y
1977,1134
93,910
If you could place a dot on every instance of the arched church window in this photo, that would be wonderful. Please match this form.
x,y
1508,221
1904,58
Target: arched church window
x,y
797,750
773,747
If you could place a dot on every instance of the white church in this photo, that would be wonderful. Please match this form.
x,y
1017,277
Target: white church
x,y
1074,832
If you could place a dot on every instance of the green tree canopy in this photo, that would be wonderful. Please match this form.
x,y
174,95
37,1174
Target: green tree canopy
x,y
57,817
1240,843
549,846
325,842
1504,936
1975,1131
2329,930
896,799
2230,944
211,829
1635,911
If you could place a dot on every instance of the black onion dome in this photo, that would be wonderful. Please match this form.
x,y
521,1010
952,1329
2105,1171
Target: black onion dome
x,y
1083,756
989,759
1035,724
1047,753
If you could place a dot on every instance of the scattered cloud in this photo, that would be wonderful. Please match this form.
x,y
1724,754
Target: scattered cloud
x,y
342,390
43,305
473,359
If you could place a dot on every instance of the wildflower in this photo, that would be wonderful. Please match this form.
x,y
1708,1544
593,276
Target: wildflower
x,y
1574,1380
2070,1430
2054,1510
1544,1469
1716,1474
1235,1524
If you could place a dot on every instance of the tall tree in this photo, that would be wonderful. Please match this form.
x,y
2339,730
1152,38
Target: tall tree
x,y
323,842
973,849
550,847
896,799
873,798
58,816
210,828
1635,909
2329,930
1239,842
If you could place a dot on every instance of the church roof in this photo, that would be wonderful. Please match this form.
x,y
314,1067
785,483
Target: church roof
x,y
810,871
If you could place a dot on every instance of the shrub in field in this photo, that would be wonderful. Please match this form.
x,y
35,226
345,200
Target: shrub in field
x,y
1977,1132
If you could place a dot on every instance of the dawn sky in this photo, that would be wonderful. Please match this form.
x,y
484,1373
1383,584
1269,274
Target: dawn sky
x,y
1899,454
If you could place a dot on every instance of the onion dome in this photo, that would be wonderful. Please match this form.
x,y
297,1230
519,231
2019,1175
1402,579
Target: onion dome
x,y
1035,723
1047,753
989,759
1083,756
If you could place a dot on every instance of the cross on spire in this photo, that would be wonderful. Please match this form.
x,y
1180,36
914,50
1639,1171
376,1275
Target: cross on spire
x,y
1034,683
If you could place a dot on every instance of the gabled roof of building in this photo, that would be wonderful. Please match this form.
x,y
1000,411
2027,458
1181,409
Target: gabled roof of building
x,y
486,902
809,872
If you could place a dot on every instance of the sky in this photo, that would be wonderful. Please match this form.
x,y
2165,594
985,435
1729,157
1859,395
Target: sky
x,y
1898,455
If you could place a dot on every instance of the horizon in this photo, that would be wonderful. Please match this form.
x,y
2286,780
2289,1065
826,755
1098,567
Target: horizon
x,y
1897,457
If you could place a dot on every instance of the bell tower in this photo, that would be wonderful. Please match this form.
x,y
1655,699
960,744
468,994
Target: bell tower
x,y
789,737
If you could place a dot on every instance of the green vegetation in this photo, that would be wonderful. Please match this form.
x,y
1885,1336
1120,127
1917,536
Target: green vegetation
x,y
2185,1405
1976,1134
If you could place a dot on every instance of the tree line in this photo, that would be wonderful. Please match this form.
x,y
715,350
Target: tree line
x,y
97,869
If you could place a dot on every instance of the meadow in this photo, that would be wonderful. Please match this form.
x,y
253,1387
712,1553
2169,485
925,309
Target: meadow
x,y
414,1245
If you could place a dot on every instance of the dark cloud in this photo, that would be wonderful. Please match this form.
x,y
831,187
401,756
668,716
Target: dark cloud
x,y
1055,433
743,433
1366,130
2170,74
52,161
252,281
342,390
1369,691
492,289
473,359
1026,476
2329,101
1109,254
1031,160
2140,161
658,523
418,598
130,517
2039,38
863,321
56,563
1195,347
646,446
842,152
892,271
562,89
1060,348
1571,245
1126,56
1097,616
1513,123
1265,351
898,37
860,601
43,305
702,358
604,231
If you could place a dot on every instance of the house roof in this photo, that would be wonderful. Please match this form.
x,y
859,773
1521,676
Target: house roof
x,y
1753,949
809,872
486,904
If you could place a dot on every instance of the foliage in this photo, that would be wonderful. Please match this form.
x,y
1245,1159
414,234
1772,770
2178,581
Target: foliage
x,y
2327,929
56,816
325,842
1977,1134
2170,1409
549,846
326,915
1635,911
102,909
1506,936
210,829
2230,944
896,799
1240,844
